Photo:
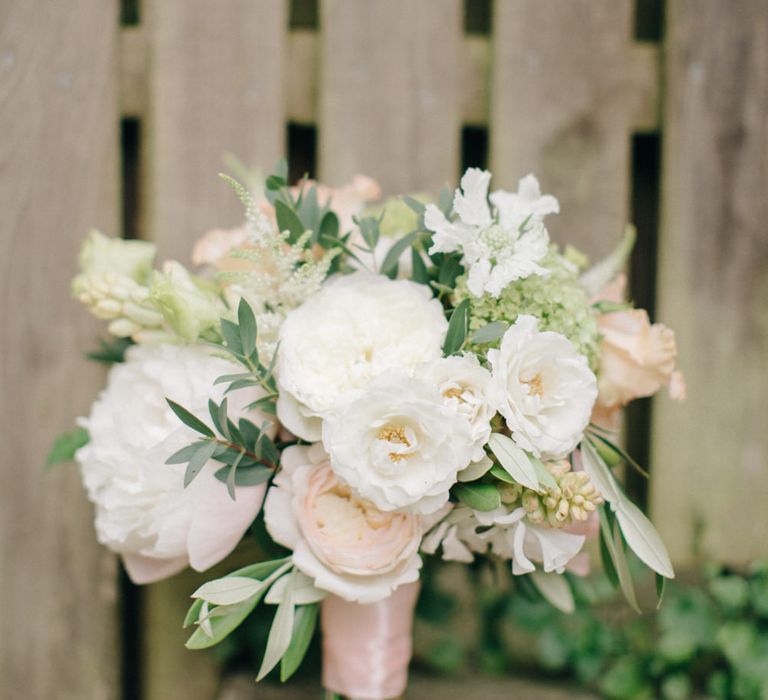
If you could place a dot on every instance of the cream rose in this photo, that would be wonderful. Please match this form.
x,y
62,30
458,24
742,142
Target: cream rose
x,y
143,510
352,330
345,544
397,443
637,358
543,388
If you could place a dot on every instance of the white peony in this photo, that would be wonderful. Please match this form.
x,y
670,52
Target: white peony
x,y
143,510
397,443
343,543
463,384
465,532
543,387
498,246
353,329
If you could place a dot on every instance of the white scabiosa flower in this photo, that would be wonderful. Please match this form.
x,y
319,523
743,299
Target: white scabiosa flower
x,y
463,383
353,329
498,245
543,387
397,443
143,511
344,543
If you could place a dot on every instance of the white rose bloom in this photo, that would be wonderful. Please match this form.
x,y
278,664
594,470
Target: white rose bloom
x,y
465,532
345,544
501,245
543,387
463,383
397,443
143,510
353,329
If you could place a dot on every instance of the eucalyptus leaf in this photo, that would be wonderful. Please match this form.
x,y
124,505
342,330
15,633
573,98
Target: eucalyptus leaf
x,y
414,204
190,419
490,332
643,538
288,220
555,588
186,453
247,323
228,590
246,476
419,273
304,624
482,497
231,333
203,453
514,460
457,329
279,635
392,257
612,540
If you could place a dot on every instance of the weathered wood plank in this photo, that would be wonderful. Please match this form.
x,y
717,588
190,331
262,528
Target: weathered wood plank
x,y
560,109
58,154
389,97
710,483
216,86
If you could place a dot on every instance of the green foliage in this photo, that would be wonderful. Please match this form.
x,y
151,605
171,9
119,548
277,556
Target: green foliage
x,y
709,639
457,329
65,446
110,351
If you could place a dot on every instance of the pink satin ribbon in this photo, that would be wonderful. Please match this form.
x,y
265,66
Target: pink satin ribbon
x,y
367,648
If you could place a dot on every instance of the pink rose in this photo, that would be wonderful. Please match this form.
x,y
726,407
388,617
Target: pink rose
x,y
344,543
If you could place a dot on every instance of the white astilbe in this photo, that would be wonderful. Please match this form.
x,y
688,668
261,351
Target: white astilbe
x,y
278,275
499,244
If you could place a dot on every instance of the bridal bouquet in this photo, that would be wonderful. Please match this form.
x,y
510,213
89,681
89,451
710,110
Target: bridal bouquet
x,y
366,384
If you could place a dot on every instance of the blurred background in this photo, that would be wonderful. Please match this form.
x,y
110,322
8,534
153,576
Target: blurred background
x,y
119,115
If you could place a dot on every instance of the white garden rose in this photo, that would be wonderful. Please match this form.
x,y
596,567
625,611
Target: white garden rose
x,y
143,511
345,544
543,387
397,443
352,330
463,383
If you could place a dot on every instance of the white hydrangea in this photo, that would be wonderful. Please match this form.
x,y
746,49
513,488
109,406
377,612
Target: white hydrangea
x,y
353,329
543,387
397,443
498,245
143,510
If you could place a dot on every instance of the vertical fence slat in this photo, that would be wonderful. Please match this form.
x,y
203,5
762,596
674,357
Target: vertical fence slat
x,y
710,467
389,92
216,86
559,109
58,631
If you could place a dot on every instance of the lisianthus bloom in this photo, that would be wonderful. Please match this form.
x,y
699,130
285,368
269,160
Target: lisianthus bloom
x,y
143,510
543,388
344,543
463,383
498,246
353,329
397,443
507,534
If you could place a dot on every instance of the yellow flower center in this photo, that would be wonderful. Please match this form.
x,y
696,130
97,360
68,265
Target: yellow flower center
x,y
535,385
395,434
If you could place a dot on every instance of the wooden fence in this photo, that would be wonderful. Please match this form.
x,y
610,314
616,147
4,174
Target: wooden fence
x,y
399,90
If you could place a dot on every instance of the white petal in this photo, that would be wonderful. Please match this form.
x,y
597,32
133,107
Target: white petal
x,y
471,203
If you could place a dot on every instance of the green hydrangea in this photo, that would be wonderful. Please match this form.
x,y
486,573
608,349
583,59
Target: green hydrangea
x,y
399,218
557,300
